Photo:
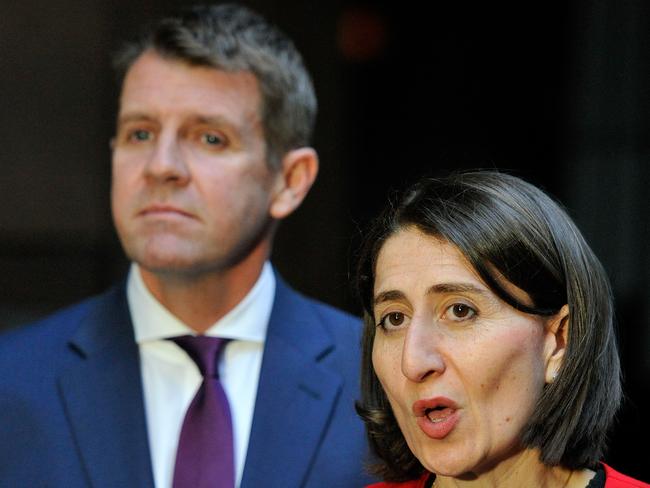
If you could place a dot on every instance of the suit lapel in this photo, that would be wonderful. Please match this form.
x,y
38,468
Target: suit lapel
x,y
102,393
296,395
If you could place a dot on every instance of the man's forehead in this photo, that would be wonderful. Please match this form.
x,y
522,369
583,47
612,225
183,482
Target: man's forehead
x,y
157,71
171,85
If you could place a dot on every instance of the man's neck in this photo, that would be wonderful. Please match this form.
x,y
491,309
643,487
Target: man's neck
x,y
199,300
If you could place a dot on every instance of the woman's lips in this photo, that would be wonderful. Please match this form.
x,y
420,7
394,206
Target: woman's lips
x,y
437,416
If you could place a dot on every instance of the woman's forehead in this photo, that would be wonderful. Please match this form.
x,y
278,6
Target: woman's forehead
x,y
427,260
411,251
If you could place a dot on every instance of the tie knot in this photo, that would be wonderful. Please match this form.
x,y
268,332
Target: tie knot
x,y
203,350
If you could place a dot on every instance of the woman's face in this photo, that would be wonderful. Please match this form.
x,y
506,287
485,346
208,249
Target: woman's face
x,y
461,368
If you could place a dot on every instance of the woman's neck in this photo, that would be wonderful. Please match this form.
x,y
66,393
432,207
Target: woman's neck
x,y
523,469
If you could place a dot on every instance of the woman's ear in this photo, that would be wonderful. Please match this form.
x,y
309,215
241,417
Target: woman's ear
x,y
297,175
555,342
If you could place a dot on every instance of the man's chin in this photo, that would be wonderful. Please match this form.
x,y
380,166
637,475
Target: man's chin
x,y
169,264
164,254
172,267
174,258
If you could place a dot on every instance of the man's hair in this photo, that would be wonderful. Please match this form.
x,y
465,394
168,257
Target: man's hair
x,y
507,228
233,38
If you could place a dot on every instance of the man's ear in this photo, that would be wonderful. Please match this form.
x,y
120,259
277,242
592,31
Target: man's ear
x,y
297,175
555,342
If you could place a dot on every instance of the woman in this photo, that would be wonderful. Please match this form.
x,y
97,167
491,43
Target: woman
x,y
489,350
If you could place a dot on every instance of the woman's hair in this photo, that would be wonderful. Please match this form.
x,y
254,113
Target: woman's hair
x,y
507,228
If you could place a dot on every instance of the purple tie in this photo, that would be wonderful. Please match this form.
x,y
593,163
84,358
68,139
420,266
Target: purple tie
x,y
205,449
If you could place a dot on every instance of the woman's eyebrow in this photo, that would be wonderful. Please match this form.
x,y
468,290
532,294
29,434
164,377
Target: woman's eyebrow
x,y
389,295
456,288
439,288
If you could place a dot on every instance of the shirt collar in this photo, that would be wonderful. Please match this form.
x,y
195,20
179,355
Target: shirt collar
x,y
247,321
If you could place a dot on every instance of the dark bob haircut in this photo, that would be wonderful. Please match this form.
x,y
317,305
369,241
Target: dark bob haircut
x,y
231,37
506,226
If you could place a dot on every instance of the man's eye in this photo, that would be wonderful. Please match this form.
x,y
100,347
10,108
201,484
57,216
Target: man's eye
x,y
140,135
212,139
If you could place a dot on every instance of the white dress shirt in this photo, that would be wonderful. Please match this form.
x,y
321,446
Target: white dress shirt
x,y
171,378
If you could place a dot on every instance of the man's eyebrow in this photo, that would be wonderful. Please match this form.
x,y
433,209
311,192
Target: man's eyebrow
x,y
212,120
133,117
200,119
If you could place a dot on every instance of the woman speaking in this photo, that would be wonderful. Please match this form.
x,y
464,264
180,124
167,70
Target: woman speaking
x,y
490,358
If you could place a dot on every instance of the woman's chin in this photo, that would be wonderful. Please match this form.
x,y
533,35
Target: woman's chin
x,y
453,468
458,461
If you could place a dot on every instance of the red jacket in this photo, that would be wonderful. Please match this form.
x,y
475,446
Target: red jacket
x,y
613,479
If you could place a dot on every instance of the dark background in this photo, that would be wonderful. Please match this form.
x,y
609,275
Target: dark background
x,y
557,94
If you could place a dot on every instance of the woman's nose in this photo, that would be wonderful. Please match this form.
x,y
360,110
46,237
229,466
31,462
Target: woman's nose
x,y
421,354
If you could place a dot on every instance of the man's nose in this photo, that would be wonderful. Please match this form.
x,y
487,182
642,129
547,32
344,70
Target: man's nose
x,y
422,356
166,162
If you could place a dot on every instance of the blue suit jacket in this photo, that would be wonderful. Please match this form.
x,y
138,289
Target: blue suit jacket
x,y
72,414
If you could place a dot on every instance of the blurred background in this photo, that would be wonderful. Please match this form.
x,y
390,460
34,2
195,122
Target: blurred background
x,y
555,92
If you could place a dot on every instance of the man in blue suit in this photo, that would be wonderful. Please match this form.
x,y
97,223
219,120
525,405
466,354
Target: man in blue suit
x,y
211,151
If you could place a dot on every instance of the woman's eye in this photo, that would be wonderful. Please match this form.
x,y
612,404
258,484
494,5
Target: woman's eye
x,y
460,311
392,319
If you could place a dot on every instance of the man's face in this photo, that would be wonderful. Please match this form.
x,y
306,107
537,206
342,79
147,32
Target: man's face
x,y
191,187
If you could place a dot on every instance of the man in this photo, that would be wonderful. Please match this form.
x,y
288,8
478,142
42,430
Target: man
x,y
210,153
